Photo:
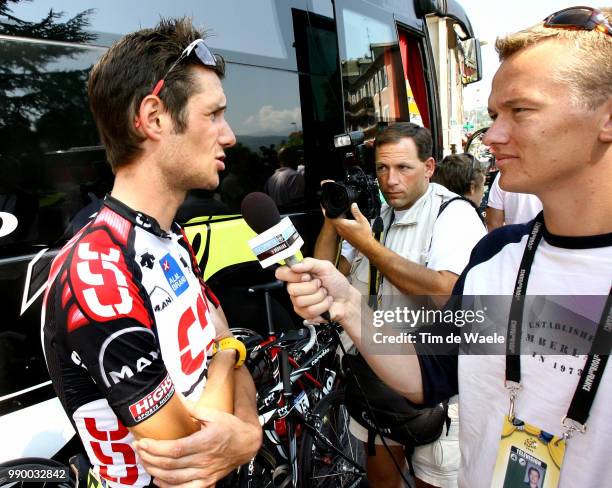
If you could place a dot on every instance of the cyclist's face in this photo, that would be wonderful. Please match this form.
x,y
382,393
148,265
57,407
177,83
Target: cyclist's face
x,y
196,156
402,176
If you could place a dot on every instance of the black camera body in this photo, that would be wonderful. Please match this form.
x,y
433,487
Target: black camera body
x,y
337,197
358,186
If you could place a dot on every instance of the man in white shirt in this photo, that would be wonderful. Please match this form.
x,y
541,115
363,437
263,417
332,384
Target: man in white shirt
x,y
551,105
507,207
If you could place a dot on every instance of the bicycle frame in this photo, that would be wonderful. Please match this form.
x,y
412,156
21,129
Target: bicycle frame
x,y
295,386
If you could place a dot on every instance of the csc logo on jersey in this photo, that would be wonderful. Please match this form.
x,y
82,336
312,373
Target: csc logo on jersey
x,y
104,286
194,337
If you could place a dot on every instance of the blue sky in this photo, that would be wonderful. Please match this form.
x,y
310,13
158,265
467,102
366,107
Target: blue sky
x,y
491,18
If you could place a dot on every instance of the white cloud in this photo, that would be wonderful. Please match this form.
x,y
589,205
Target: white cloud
x,y
271,121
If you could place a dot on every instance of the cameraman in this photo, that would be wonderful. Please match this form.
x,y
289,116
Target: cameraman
x,y
423,247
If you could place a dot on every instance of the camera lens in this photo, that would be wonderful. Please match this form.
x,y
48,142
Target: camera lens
x,y
335,199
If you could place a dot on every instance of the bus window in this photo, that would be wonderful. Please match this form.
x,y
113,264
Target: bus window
x,y
372,73
416,88
265,114
51,161
316,46
269,42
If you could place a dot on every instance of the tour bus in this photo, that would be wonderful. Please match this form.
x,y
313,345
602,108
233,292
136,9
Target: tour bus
x,y
299,72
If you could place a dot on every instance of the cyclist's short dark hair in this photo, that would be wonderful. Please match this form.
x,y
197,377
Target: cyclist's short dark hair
x,y
457,172
128,72
407,130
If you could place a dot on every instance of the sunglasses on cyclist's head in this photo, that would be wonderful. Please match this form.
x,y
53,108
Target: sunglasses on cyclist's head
x,y
579,18
200,49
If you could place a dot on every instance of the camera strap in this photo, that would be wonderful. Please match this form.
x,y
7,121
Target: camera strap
x,y
375,278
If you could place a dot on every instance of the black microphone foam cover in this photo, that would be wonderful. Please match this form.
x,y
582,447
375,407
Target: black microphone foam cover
x,y
259,211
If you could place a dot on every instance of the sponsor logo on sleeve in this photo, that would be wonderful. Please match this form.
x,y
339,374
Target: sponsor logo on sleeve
x,y
125,371
174,274
148,405
113,369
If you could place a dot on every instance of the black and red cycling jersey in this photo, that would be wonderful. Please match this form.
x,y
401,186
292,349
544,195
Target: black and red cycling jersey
x,y
126,323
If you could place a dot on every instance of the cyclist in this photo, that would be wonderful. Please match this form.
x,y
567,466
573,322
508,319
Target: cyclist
x,y
129,324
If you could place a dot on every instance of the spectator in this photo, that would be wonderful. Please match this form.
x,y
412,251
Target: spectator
x,y
462,174
286,185
132,334
506,207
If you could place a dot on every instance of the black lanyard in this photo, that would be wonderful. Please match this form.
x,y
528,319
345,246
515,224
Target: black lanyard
x,y
596,363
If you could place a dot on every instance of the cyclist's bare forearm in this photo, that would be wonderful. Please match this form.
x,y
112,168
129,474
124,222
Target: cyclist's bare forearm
x,y
218,393
245,407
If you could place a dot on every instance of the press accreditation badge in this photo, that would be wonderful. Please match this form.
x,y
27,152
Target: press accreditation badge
x,y
527,457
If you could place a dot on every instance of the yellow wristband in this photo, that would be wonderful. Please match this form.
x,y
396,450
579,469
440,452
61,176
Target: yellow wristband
x,y
231,343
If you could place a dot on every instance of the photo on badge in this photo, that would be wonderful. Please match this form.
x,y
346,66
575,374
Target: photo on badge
x,y
524,470
527,457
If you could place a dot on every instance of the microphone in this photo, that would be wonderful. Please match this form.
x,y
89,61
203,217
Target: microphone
x,y
277,239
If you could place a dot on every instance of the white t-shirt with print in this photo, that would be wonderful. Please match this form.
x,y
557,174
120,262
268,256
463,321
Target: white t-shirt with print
x,y
562,266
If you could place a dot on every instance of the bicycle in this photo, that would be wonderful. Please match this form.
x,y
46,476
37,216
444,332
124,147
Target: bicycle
x,y
298,396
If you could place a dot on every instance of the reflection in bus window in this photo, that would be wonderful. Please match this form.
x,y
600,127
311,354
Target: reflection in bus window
x,y
107,21
265,118
372,73
51,161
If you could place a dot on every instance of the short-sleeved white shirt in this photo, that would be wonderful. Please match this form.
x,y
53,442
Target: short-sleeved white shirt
x,y
518,207
442,243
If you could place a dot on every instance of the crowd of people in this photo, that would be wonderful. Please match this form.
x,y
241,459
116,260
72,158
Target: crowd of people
x,y
138,347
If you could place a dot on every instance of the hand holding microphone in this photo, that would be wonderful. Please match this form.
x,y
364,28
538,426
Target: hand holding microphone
x,y
278,240
317,289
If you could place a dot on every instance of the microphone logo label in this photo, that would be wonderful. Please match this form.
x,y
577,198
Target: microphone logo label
x,y
277,243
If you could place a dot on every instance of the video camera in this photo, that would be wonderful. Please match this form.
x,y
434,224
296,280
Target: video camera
x,y
337,197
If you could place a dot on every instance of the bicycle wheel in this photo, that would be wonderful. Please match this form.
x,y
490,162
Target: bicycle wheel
x,y
320,465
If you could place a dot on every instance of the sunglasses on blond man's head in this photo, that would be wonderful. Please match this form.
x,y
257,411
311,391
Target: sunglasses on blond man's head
x,y
579,18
